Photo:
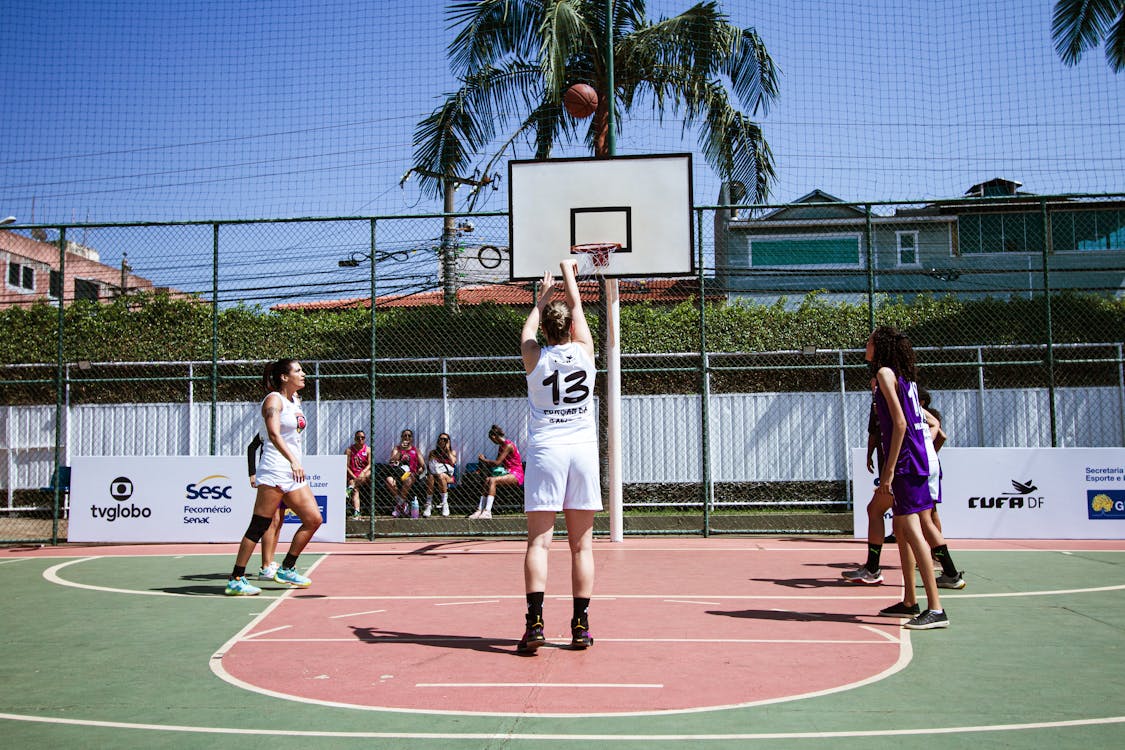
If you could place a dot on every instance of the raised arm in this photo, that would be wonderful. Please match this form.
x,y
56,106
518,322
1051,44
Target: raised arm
x,y
580,329
529,345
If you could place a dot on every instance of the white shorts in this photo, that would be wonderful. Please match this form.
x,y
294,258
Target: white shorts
x,y
283,483
562,477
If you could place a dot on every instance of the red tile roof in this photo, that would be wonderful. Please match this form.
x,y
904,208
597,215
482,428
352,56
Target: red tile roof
x,y
518,293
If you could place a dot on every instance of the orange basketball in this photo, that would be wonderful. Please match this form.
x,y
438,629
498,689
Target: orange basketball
x,y
580,100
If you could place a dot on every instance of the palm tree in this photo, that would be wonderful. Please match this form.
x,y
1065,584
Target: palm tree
x,y
1078,25
515,58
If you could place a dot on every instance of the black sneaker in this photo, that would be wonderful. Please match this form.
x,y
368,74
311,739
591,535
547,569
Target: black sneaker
x,y
902,609
532,638
928,620
580,637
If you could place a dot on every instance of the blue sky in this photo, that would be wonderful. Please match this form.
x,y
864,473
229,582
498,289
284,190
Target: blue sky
x,y
155,110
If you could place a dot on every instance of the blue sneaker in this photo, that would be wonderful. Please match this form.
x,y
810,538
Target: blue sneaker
x,y
241,587
292,577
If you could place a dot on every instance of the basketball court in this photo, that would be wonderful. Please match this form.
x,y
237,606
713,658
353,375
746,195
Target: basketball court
x,y
717,641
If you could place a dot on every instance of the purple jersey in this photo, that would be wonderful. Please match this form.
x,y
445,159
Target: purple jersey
x,y
917,456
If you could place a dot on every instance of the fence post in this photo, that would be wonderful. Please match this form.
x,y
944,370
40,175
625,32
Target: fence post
x,y
191,408
980,398
214,336
869,238
704,385
1050,327
60,364
1121,391
371,376
844,429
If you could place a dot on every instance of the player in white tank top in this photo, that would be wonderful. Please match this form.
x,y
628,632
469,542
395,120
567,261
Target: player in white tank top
x,y
280,477
562,454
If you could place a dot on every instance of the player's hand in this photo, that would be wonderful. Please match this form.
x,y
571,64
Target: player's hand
x,y
870,465
298,471
253,480
546,287
570,264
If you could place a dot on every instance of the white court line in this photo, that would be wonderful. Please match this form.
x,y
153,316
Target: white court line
x,y
881,633
557,737
463,638
357,614
684,601
14,559
457,604
611,685
266,632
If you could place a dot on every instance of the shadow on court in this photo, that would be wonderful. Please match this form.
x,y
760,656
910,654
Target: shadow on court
x,y
791,616
459,642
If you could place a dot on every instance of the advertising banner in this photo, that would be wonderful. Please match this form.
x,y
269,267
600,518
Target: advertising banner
x,y
1019,493
186,499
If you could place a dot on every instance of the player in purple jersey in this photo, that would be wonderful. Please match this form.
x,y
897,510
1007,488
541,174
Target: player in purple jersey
x,y
905,474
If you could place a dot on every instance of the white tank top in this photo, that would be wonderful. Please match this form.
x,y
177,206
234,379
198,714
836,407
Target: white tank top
x,y
292,425
560,392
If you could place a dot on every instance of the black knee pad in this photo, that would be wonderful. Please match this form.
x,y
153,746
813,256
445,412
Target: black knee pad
x,y
257,527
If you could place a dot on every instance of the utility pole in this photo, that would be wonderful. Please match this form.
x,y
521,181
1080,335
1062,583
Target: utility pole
x,y
125,269
449,185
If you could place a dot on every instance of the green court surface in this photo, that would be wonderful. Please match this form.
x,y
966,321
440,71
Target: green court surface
x,y
105,649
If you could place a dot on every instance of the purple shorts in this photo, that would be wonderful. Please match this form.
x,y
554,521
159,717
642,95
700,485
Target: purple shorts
x,y
911,494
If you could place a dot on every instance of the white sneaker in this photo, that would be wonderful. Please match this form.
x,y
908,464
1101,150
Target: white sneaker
x,y
267,573
445,508
426,510
485,515
476,513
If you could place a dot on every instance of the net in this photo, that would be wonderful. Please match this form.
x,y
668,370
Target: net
x,y
594,256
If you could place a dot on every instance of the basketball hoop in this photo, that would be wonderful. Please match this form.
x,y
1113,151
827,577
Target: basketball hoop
x,y
598,254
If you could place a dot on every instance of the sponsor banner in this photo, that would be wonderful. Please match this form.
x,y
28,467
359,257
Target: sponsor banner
x,y
1019,493
186,499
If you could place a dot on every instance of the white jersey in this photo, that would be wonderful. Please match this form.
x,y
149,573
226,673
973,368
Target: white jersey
x,y
560,392
273,464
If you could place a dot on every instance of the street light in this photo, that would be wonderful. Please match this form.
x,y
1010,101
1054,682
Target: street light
x,y
7,220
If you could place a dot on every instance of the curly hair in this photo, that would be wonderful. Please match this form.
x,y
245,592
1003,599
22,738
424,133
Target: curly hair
x,y
893,349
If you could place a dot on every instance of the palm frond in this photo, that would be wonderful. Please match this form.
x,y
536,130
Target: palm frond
x,y
493,30
1078,25
1115,44
563,33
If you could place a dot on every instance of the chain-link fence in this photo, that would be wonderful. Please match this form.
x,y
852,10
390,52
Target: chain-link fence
x,y
743,388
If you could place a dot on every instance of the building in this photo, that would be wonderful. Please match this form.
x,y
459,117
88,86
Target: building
x,y
31,273
992,241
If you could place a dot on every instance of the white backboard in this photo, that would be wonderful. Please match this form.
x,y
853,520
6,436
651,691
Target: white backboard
x,y
641,202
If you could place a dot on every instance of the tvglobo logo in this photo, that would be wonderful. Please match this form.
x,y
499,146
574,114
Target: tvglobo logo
x,y
214,487
120,489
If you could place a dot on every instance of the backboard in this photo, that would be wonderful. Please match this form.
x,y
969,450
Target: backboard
x,y
642,203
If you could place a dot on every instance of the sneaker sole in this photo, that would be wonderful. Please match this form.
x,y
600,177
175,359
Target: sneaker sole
x,y
242,593
955,586
581,645
861,581
884,613
530,647
930,626
290,584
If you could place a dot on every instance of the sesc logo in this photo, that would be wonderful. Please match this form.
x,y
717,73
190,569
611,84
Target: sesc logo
x,y
209,489
120,489
1105,504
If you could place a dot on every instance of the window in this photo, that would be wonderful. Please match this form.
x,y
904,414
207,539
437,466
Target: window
x,y
55,284
1012,232
907,248
1088,230
84,289
21,277
805,251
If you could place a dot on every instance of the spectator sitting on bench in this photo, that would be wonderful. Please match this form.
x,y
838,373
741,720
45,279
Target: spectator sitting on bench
x,y
506,468
406,467
359,469
441,463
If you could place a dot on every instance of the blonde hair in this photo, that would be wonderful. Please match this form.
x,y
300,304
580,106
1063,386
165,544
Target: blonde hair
x,y
556,321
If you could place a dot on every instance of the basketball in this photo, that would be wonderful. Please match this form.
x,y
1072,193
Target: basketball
x,y
580,100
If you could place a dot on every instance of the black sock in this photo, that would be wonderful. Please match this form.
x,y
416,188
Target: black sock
x,y
873,553
290,561
581,606
535,607
238,572
941,552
